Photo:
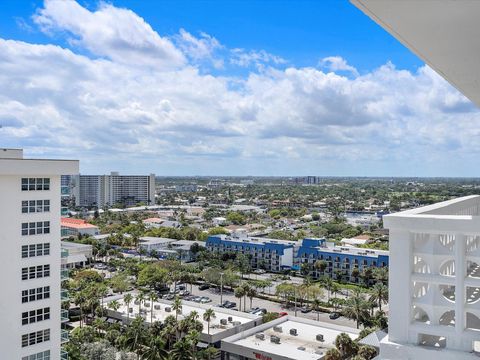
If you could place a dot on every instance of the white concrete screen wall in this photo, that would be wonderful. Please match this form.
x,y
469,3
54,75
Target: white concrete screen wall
x,y
13,168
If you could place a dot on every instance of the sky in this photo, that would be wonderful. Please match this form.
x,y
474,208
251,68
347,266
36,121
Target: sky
x,y
237,88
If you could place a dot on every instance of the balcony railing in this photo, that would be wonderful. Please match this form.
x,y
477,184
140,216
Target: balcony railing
x,y
64,315
64,295
64,336
64,253
63,355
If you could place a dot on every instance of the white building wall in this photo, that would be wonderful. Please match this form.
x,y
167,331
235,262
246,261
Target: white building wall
x,y
11,261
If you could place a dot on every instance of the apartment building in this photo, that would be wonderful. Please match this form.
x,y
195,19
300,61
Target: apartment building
x,y
347,262
114,189
269,254
31,256
75,227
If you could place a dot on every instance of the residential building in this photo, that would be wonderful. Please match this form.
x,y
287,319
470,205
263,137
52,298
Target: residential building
x,y
150,243
347,262
31,255
185,188
114,189
76,255
285,338
159,223
219,221
269,254
75,227
226,323
356,240
167,248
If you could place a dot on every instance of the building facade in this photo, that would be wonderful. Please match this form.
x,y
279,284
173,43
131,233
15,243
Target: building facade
x,y
346,262
31,257
435,266
269,254
75,227
114,189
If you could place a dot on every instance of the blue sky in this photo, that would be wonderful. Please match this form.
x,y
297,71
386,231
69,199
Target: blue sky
x,y
225,88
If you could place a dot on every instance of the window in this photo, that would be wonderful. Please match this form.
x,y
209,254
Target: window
x,y
35,206
44,355
32,184
36,337
33,316
36,228
35,250
35,272
39,293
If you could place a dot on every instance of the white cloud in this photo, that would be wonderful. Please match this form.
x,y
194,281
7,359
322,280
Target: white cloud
x,y
244,58
116,33
114,115
337,63
200,48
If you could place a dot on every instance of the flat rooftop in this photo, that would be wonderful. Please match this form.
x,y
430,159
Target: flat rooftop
x,y
150,240
159,314
303,346
255,240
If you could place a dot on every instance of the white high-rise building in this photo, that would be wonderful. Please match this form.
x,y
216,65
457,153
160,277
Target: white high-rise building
x,y
30,261
113,189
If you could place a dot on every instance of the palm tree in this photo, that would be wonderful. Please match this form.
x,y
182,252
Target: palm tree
x,y
155,350
379,294
181,351
209,353
208,316
320,265
316,303
127,299
346,345
140,298
152,296
251,293
177,306
328,283
356,308
135,335
114,305
239,292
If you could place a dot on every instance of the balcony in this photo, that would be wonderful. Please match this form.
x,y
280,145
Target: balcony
x,y
63,274
64,336
64,295
64,315
63,355
64,253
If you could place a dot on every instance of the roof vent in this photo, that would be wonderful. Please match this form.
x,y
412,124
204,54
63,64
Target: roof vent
x,y
301,348
275,339
230,318
293,332
320,338
168,309
223,321
260,336
277,329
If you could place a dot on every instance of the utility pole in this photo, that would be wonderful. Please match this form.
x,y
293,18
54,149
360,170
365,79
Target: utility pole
x,y
221,288
295,300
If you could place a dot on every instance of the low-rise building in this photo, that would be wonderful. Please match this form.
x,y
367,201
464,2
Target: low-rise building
x,y
75,227
76,255
269,254
356,240
149,243
226,322
340,260
220,220
286,338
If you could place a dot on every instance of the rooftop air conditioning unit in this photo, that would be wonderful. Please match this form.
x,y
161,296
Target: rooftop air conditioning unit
x,y
320,338
223,321
156,307
236,323
130,310
260,336
301,348
293,332
230,319
147,304
168,309
275,339
136,302
277,329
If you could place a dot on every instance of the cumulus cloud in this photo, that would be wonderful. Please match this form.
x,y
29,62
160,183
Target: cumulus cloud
x,y
116,33
337,63
283,119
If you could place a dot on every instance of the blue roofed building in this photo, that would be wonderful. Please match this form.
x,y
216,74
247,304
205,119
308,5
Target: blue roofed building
x,y
340,260
268,254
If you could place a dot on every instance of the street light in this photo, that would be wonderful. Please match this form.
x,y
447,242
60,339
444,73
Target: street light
x,y
221,288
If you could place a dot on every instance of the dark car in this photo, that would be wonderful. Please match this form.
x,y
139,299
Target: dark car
x,y
334,315
260,312
229,304
204,287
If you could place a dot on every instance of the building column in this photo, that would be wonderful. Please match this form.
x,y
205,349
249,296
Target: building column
x,y
460,273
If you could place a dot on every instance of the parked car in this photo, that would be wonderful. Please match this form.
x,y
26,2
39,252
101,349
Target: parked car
x,y
180,287
334,315
305,309
229,304
204,287
183,293
253,310
259,271
283,313
205,300
260,312
197,298
168,297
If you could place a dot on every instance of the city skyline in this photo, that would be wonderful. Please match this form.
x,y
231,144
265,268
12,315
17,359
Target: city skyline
x,y
161,88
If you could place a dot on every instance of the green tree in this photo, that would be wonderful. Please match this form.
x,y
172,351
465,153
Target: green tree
x,y
177,306
208,316
155,350
346,345
379,294
356,308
